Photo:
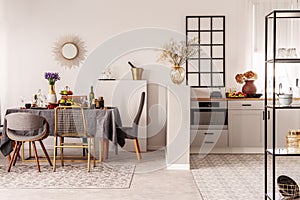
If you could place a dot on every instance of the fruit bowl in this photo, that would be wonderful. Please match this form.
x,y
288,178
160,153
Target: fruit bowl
x,y
64,92
235,95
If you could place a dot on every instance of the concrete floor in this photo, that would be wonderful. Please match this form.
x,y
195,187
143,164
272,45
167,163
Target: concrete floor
x,y
151,180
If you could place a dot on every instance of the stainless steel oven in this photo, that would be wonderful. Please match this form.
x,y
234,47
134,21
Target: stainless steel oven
x,y
209,115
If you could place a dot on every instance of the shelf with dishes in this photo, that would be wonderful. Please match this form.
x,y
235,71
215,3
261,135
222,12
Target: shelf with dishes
x,y
281,111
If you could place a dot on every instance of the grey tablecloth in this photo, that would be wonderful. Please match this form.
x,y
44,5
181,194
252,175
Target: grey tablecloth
x,y
101,123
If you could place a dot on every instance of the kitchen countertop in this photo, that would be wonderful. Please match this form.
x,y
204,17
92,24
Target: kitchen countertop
x,y
233,99
227,99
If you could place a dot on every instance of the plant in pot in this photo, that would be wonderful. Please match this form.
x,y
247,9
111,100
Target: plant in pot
x,y
248,78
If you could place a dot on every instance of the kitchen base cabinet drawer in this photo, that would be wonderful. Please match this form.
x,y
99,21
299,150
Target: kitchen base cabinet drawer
x,y
210,138
245,105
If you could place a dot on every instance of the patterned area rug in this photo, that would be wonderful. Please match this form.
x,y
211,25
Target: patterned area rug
x,y
229,176
103,176
238,176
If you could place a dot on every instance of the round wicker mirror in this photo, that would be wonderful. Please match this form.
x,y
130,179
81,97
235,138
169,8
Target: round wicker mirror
x,y
69,51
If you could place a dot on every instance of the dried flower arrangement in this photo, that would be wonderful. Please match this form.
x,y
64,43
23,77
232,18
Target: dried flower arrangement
x,y
177,53
249,75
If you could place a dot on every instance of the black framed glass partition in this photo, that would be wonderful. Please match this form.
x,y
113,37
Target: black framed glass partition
x,y
207,67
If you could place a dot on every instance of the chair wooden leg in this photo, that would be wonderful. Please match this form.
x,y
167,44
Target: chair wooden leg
x,y
61,151
83,152
137,149
94,152
13,144
13,157
36,157
29,150
54,153
89,154
19,144
45,152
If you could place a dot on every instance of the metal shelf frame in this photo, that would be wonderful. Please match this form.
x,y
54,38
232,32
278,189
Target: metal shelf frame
x,y
272,19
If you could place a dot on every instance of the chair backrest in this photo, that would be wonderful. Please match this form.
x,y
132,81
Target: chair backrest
x,y
69,121
139,113
24,121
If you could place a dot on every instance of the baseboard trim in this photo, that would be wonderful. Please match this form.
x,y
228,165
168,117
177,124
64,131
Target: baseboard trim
x,y
178,167
155,148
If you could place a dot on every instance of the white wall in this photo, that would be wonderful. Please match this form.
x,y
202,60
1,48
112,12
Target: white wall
x,y
29,28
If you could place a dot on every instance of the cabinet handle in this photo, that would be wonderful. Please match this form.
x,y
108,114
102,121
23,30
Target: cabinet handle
x,y
263,115
208,142
268,114
246,104
208,133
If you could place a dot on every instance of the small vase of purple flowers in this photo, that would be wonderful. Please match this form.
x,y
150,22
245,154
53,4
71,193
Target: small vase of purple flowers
x,y
52,77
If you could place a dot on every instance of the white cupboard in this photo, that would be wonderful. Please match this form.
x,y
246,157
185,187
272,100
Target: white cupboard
x,y
126,94
246,124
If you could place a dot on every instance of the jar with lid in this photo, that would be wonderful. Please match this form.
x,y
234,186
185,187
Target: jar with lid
x,y
293,141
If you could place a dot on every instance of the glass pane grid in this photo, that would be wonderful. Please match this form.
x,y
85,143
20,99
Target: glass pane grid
x,y
207,68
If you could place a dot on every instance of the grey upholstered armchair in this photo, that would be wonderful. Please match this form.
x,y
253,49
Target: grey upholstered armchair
x,y
26,127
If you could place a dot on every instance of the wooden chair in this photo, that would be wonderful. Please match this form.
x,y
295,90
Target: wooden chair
x,y
70,123
26,127
132,132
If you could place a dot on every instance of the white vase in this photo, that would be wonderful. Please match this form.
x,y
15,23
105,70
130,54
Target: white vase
x,y
52,95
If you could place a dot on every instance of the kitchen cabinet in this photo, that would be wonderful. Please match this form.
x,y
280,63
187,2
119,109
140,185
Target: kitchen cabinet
x,y
209,126
246,123
204,141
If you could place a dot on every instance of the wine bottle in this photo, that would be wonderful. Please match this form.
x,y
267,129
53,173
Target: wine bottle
x,y
101,102
131,64
92,96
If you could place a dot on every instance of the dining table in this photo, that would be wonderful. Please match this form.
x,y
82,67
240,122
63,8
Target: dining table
x,y
102,123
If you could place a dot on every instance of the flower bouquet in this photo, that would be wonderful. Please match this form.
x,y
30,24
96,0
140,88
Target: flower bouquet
x,y
52,77
249,75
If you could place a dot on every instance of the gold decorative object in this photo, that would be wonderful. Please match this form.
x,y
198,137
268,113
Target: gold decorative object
x,y
137,73
177,74
69,51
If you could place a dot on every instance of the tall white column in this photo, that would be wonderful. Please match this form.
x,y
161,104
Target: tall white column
x,y
178,127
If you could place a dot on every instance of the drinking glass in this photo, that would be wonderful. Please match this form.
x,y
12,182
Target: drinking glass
x,y
281,53
291,53
22,99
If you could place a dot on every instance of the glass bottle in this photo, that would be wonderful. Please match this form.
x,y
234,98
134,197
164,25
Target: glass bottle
x,y
92,95
101,103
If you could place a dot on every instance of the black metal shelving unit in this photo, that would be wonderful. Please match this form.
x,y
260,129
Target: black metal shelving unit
x,y
206,70
271,61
